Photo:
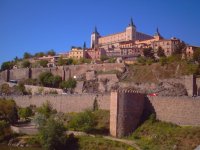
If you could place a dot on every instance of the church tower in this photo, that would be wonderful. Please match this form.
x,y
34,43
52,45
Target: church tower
x,y
94,38
131,31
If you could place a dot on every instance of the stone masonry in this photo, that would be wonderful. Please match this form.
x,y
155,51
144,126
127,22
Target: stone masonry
x,y
126,109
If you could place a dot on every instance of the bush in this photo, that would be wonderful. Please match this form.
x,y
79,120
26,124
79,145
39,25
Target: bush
x,y
84,121
47,79
25,112
46,109
5,89
52,134
70,83
141,60
8,110
149,61
43,63
163,61
26,64
7,65
4,129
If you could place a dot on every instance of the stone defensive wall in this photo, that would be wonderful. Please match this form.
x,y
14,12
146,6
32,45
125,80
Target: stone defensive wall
x,y
65,103
177,110
64,71
128,109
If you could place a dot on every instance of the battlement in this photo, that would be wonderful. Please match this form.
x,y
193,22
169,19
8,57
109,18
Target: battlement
x,y
126,90
126,109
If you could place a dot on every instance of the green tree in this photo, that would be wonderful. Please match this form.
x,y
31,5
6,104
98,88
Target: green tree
x,y
46,109
27,55
5,89
141,60
52,134
43,63
163,61
8,110
84,121
180,48
148,52
7,65
56,80
4,129
40,54
61,61
21,88
69,61
160,52
26,64
70,83
51,52
45,78
25,112
196,55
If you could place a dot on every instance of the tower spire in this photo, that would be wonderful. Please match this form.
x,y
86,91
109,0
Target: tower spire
x,y
131,23
95,30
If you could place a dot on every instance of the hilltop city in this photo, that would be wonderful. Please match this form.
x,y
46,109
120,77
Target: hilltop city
x,y
127,46
127,91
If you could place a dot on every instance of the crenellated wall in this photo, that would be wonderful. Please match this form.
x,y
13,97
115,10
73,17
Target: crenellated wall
x,y
128,109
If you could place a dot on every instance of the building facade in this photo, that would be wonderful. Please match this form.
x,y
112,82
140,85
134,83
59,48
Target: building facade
x,y
77,53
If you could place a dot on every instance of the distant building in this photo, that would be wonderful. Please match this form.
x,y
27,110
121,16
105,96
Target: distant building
x,y
95,54
77,53
111,42
190,50
169,46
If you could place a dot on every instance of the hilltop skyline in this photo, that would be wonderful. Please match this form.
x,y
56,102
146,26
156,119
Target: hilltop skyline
x,y
36,26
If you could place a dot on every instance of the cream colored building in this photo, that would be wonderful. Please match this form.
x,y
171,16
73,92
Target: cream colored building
x,y
112,41
169,46
77,53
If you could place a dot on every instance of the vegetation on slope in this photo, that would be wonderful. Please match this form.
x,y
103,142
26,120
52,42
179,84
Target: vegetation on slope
x,y
140,73
157,135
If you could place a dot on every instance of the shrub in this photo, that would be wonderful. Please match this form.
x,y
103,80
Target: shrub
x,y
70,83
5,89
46,109
8,110
149,61
52,134
7,65
43,63
4,129
84,121
26,64
47,79
25,112
163,61
141,60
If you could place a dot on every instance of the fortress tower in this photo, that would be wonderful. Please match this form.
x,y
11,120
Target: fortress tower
x,y
126,109
131,31
94,38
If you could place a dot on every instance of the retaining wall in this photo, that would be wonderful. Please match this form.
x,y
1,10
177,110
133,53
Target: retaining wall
x,y
65,103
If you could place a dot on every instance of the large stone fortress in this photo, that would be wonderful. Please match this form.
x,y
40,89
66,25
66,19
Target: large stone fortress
x,y
130,34
117,41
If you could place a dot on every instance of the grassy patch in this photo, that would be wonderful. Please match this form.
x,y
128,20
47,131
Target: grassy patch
x,y
98,143
156,135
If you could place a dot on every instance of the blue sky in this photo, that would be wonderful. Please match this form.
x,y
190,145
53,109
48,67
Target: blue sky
x,y
40,25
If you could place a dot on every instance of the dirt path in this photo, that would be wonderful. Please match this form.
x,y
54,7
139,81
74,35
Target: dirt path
x,y
128,142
